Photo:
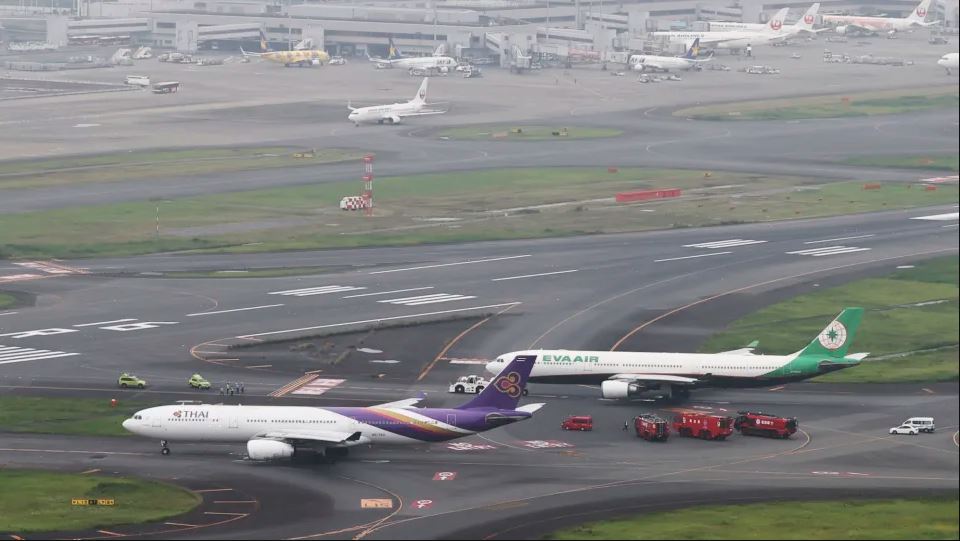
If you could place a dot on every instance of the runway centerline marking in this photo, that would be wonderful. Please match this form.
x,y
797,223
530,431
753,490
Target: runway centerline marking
x,y
533,275
438,265
691,257
234,310
106,322
388,292
391,318
838,239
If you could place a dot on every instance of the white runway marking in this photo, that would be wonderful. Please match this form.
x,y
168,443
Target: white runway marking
x,y
13,354
839,239
428,299
470,262
388,292
318,387
939,217
391,318
533,275
8,313
691,257
106,322
829,250
234,310
320,290
724,243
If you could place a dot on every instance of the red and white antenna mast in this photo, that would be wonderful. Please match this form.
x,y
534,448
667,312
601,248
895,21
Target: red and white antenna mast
x,y
367,193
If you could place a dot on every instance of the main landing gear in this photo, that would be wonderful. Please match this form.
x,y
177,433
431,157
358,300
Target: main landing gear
x,y
164,450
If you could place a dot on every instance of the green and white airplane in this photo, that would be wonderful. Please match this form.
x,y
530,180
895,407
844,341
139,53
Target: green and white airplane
x,y
624,374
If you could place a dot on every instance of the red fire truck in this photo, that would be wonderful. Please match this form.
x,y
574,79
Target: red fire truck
x,y
651,428
703,426
751,423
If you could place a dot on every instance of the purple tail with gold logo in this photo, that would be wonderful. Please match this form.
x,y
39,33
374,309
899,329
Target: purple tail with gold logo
x,y
505,390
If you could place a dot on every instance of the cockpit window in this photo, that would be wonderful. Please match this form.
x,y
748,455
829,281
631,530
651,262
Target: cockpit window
x,y
138,418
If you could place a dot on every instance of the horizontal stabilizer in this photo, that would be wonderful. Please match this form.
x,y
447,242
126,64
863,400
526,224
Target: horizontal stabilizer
x,y
531,408
857,356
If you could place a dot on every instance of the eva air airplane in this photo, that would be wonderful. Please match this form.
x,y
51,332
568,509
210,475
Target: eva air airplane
x,y
624,374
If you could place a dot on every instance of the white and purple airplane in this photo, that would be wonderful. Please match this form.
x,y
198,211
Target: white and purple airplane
x,y
273,432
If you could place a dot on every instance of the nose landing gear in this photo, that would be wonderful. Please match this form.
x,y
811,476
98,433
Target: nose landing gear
x,y
164,450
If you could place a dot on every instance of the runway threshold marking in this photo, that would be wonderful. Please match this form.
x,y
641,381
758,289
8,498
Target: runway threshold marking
x,y
378,320
677,310
838,239
439,265
711,254
234,310
388,292
725,243
522,276
457,338
295,384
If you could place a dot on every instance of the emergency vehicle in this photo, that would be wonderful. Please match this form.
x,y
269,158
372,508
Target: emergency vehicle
x,y
703,426
751,423
577,422
651,428
469,384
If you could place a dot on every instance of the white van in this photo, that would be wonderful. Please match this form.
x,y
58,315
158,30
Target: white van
x,y
138,80
923,424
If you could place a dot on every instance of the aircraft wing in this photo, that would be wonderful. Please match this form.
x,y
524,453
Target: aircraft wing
x,y
858,28
322,437
422,113
407,403
654,378
746,350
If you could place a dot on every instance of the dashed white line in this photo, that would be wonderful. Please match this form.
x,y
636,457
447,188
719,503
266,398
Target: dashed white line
x,y
106,322
839,239
388,292
691,257
235,310
391,318
533,275
470,262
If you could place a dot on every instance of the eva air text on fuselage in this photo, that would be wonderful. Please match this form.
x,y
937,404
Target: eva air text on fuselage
x,y
571,359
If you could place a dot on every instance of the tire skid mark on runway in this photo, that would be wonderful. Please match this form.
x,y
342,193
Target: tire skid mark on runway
x,y
365,527
665,315
457,339
613,484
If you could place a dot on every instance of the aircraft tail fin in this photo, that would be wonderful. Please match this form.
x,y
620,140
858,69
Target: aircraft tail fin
x,y
421,97
776,22
505,390
919,14
264,46
835,339
393,52
806,22
694,50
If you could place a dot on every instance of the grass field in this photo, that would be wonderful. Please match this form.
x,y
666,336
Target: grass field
x,y
79,416
527,133
830,106
34,501
885,519
158,164
445,207
910,327
943,162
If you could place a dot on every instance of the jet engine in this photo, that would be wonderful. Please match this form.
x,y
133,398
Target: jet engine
x,y
841,30
268,449
619,389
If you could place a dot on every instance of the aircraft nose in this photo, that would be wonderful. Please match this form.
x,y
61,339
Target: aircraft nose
x,y
128,425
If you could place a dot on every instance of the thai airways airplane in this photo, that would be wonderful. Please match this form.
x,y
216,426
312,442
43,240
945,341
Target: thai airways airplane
x,y
649,62
847,23
774,24
626,374
273,432
949,61
393,113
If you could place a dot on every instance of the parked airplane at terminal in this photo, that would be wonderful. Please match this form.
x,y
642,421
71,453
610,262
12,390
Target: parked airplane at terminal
x,y
774,24
297,57
437,61
949,61
739,39
648,62
273,432
847,23
393,113
626,374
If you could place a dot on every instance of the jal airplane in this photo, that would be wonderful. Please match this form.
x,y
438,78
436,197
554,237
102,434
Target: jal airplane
x,y
774,24
949,61
846,23
627,374
274,432
393,113
647,62
739,39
